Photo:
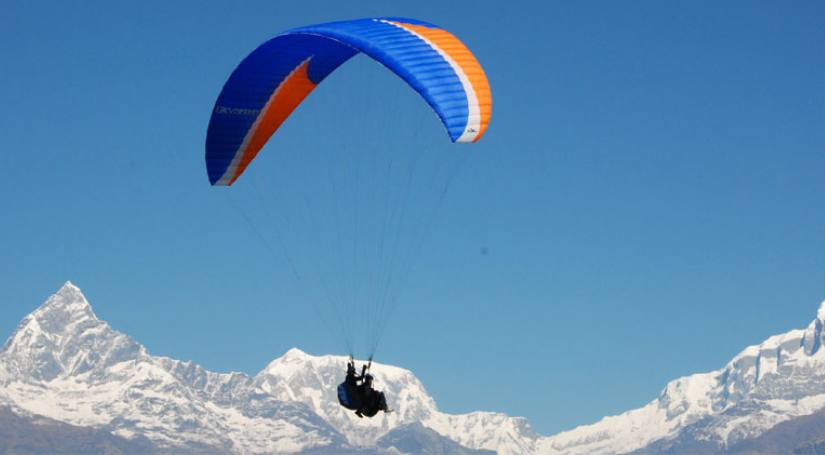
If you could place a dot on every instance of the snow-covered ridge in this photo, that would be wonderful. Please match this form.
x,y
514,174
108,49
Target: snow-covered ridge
x,y
63,363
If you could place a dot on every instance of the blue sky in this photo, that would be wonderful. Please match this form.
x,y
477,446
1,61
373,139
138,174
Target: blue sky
x,y
649,192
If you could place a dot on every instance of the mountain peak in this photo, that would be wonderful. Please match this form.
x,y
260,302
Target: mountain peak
x,y
68,286
820,314
812,339
66,306
294,360
70,292
64,336
294,353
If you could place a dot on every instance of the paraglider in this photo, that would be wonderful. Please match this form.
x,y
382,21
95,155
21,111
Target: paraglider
x,y
273,80
357,394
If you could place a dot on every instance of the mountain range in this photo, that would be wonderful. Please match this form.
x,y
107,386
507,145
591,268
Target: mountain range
x,y
70,383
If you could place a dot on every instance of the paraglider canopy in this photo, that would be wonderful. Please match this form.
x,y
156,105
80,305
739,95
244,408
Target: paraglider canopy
x,y
276,77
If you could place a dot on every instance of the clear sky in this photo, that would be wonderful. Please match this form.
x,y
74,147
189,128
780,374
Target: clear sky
x,y
649,194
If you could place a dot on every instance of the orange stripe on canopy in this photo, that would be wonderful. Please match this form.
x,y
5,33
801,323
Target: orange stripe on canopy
x,y
452,46
283,101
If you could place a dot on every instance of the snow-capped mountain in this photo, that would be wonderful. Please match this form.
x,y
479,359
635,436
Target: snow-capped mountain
x,y
312,380
65,364
779,380
69,375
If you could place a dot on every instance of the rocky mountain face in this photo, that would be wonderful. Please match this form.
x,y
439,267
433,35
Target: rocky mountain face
x,y
32,435
70,383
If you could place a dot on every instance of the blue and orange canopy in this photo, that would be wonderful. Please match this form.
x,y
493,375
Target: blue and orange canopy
x,y
273,80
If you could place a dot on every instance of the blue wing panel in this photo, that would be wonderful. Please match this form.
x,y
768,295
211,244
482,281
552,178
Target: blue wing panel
x,y
410,58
